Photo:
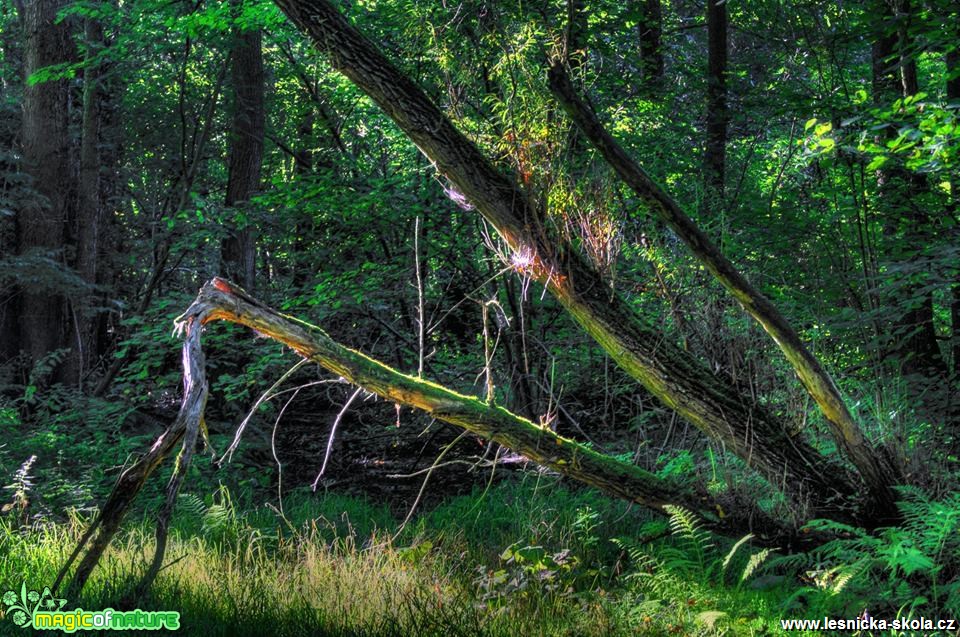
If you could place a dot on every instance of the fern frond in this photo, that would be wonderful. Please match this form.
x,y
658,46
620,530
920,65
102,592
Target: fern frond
x,y
845,574
791,563
733,551
685,524
756,561
190,504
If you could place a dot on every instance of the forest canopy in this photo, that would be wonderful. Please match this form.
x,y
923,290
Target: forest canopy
x,y
703,257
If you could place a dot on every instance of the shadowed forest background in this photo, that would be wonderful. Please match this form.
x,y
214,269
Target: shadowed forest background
x,y
631,317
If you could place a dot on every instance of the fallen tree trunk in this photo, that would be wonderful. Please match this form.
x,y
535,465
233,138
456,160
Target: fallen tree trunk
x,y
221,300
710,402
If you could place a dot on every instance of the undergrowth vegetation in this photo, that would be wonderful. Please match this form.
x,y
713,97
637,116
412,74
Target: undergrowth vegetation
x,y
525,557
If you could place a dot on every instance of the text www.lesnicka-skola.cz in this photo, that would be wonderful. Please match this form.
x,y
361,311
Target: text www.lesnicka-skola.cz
x,y
866,622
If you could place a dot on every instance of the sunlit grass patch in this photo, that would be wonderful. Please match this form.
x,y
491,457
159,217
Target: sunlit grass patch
x,y
312,573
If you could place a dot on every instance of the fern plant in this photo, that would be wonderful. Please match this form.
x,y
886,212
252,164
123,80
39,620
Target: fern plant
x,y
690,574
697,558
903,570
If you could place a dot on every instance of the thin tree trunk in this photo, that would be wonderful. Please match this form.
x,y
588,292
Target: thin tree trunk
x,y
675,377
715,150
238,253
650,35
905,222
42,221
91,213
576,33
303,168
953,94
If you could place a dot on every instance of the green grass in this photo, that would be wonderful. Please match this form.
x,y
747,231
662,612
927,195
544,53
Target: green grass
x,y
525,558
330,568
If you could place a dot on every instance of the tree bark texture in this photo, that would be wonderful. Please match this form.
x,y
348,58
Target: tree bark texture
x,y
711,403
245,152
650,37
715,149
11,51
42,221
576,34
98,155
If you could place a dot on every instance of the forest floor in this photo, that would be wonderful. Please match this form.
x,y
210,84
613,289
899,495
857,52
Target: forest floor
x,y
527,556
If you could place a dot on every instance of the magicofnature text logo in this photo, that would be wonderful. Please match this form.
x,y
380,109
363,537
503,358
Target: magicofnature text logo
x,y
43,611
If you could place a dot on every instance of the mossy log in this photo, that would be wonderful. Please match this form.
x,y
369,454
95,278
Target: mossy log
x,y
221,300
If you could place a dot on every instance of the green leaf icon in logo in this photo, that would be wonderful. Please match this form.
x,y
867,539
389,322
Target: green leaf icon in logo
x,y
50,603
21,608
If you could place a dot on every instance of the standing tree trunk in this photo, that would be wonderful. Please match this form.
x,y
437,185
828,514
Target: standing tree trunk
x,y
10,69
303,168
238,253
96,168
715,150
650,35
576,33
953,94
42,220
906,224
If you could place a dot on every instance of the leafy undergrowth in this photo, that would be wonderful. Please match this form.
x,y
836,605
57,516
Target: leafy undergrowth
x,y
523,558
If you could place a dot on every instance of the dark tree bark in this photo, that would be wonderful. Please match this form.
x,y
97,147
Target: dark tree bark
x,y
576,33
238,254
711,403
9,125
303,167
650,36
953,94
715,150
96,186
42,222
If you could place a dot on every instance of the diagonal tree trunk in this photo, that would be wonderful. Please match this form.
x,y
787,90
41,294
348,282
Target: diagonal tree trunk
x,y
676,378
877,469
